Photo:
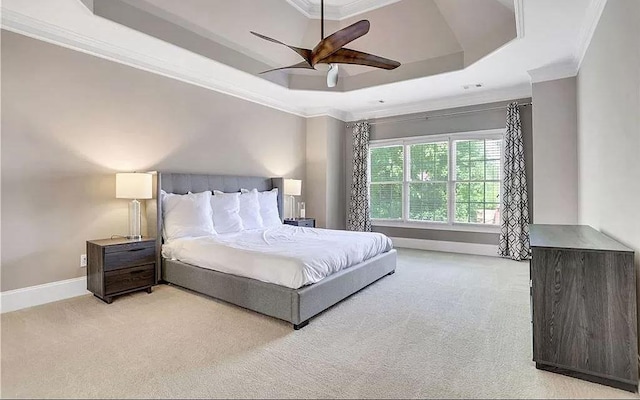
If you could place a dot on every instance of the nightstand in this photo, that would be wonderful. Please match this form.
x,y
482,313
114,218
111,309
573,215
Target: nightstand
x,y
119,266
308,222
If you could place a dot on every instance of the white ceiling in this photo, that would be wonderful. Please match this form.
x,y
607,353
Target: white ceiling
x,y
556,34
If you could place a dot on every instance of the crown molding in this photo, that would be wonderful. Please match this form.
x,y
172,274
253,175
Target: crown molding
x,y
491,96
327,112
338,13
552,72
589,25
37,29
571,67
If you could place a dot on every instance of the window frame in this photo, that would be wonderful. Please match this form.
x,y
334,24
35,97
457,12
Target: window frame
x,y
369,182
405,222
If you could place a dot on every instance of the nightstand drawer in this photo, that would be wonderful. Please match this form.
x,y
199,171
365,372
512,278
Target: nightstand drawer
x,y
129,278
134,245
307,222
130,256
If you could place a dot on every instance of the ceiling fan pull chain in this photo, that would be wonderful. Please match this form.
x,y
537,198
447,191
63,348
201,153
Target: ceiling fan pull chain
x,y
321,19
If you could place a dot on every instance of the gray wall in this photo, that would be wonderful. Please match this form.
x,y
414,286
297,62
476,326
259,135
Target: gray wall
x,y
316,180
336,210
71,120
481,120
325,172
555,152
609,126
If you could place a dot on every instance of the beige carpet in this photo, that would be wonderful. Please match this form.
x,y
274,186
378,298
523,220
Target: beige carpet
x,y
444,326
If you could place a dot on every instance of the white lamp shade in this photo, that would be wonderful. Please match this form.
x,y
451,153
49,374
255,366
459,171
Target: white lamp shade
x,y
133,185
292,187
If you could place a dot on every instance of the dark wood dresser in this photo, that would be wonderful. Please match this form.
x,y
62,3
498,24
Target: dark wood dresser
x,y
583,298
119,266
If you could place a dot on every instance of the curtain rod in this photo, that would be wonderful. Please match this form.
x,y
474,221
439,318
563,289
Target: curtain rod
x,y
350,125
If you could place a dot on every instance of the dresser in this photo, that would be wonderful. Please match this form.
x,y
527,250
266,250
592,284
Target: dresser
x,y
583,298
119,266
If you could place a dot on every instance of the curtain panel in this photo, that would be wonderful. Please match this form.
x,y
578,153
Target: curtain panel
x,y
358,218
514,219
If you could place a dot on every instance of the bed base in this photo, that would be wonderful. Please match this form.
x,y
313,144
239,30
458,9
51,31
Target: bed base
x,y
296,306
301,325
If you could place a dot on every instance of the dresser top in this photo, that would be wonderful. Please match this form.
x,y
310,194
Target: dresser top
x,y
579,237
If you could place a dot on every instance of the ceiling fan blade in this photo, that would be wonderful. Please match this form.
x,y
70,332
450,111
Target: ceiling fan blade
x,y
334,42
302,64
305,53
348,56
332,75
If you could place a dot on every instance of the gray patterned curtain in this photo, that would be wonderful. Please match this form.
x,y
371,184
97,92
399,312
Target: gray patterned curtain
x,y
514,221
358,218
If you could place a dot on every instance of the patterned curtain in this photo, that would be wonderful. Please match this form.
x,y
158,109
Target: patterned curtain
x,y
514,221
358,216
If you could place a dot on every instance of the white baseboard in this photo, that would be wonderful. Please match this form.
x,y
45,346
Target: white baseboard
x,y
18,299
450,247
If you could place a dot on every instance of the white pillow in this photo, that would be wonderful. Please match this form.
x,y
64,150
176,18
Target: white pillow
x,y
268,207
186,215
250,210
226,212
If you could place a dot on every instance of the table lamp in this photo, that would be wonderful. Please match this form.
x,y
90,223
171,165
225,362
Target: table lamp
x,y
292,187
133,185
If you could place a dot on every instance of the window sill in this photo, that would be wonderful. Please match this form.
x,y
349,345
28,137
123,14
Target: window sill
x,y
435,226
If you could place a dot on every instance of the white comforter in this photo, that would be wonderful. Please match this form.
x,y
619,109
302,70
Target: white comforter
x,y
286,255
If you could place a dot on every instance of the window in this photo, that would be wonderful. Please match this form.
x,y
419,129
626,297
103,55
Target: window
x,y
429,166
446,180
385,189
477,182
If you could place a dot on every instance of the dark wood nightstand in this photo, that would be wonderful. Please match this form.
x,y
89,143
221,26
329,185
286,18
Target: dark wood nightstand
x,y
119,266
308,222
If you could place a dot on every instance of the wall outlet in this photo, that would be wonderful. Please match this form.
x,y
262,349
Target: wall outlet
x,y
83,260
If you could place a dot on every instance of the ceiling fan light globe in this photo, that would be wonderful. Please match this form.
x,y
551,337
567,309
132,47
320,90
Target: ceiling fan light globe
x,y
332,76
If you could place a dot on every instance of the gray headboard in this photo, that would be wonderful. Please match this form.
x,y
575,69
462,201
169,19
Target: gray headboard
x,y
184,183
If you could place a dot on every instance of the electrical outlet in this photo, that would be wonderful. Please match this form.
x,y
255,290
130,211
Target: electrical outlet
x,y
83,260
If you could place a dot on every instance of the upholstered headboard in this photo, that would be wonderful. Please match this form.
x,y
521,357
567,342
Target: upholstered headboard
x,y
184,183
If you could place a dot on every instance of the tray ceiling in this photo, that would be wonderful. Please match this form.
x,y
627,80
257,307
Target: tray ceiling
x,y
556,39
428,37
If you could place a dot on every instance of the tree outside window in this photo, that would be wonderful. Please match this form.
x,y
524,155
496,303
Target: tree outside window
x,y
428,191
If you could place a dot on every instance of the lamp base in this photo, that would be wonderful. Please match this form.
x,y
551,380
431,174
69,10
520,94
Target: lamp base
x,y
292,207
134,220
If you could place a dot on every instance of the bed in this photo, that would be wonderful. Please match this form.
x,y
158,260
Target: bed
x,y
292,304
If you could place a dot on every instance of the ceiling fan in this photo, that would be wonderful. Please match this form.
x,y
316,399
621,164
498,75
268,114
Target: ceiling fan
x,y
330,50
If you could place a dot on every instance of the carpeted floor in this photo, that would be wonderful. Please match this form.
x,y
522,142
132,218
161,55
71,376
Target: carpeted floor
x,y
443,326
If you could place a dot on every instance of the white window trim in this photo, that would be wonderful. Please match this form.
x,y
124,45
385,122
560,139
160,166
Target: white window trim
x,y
405,222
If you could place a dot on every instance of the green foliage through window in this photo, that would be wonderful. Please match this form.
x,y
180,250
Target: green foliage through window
x,y
477,187
387,164
385,190
428,199
474,181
